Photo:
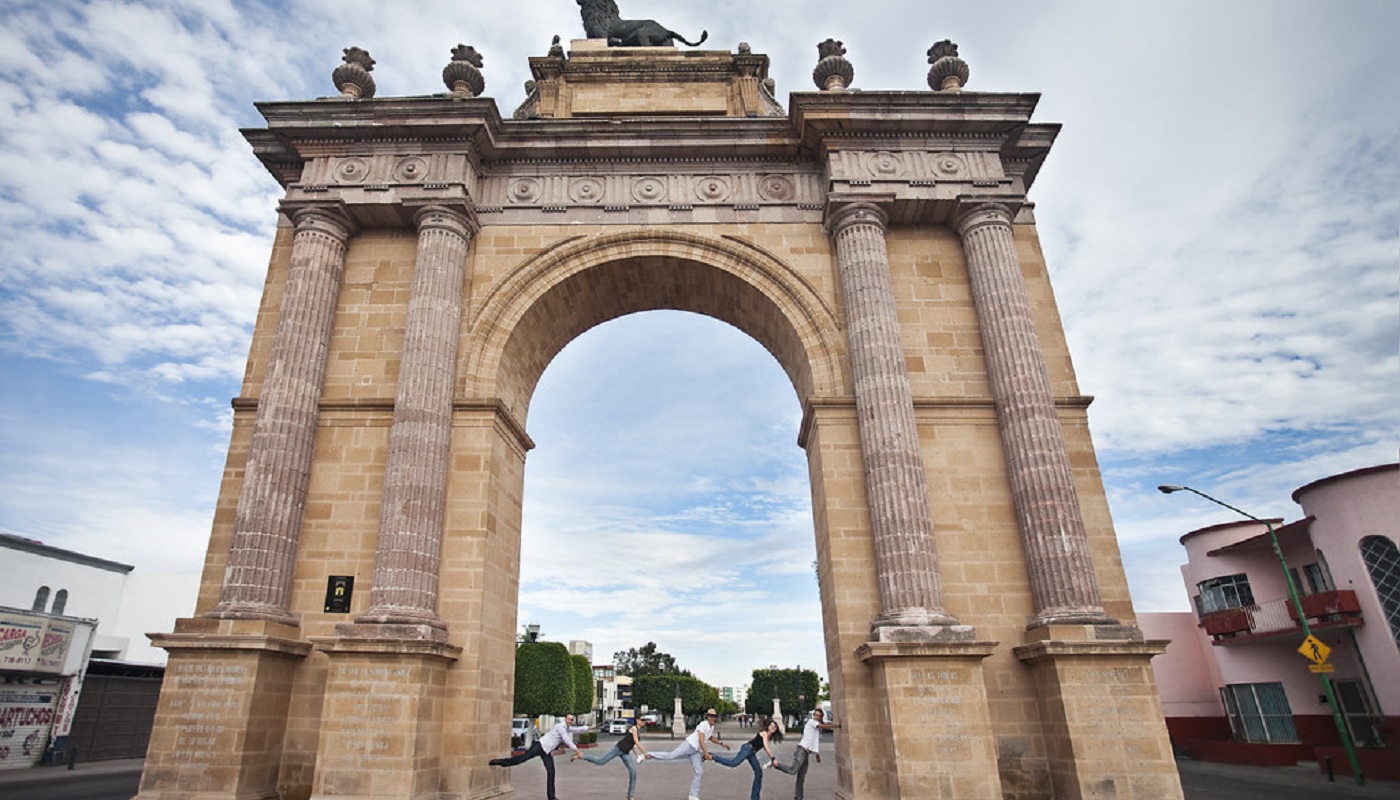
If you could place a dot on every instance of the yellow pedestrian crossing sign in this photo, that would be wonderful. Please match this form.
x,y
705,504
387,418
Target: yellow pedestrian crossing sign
x,y
1314,650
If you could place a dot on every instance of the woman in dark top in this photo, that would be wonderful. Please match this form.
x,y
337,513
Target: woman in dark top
x,y
632,738
769,733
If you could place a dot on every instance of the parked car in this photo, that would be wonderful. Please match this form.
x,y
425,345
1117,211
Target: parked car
x,y
617,726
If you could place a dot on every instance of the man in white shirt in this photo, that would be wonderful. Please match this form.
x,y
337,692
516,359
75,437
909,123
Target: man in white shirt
x,y
560,735
696,747
807,748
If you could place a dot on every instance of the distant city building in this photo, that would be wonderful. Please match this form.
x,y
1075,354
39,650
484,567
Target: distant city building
x,y
612,694
1235,685
734,694
578,647
76,669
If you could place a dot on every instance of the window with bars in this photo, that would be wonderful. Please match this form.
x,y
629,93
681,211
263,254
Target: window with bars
x,y
1259,713
1218,594
1382,560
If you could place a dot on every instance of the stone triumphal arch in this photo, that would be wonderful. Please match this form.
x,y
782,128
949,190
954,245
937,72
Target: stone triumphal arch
x,y
355,629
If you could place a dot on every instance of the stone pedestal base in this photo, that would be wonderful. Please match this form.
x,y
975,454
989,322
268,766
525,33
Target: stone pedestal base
x,y
385,698
941,734
1104,732
223,710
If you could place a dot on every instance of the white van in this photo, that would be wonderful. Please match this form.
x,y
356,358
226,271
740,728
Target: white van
x,y
520,726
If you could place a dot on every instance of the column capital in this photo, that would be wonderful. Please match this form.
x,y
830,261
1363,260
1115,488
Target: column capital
x,y
330,218
457,218
973,213
842,214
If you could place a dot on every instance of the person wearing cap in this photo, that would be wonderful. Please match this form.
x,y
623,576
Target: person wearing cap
x,y
811,741
696,748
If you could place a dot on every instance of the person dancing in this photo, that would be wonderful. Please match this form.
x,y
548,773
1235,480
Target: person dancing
x,y
696,748
769,732
544,748
623,750
811,741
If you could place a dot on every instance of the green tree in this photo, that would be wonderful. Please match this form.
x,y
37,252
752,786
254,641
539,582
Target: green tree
x,y
544,682
659,692
799,691
583,684
646,660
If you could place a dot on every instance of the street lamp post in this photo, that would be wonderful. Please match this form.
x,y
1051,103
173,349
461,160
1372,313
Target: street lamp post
x,y
1342,729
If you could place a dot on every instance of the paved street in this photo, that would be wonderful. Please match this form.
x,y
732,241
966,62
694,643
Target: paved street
x,y
117,780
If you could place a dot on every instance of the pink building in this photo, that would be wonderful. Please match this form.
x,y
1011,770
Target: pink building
x,y
1234,685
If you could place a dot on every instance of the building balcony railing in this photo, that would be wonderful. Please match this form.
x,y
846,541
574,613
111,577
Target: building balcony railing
x,y
1279,617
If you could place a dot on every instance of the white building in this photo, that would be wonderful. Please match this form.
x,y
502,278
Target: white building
x,y
126,604
612,693
77,673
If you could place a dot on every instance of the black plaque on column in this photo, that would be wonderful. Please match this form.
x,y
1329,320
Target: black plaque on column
x,y
339,588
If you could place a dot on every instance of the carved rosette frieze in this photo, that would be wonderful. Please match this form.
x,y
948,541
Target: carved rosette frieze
x,y
415,475
267,522
1063,582
402,169
916,167
559,191
901,519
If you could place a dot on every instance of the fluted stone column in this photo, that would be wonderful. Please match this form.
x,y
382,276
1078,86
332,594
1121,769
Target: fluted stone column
x,y
901,520
1063,582
271,502
415,482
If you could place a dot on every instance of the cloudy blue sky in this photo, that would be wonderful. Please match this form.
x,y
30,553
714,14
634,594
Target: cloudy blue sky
x,y
1220,215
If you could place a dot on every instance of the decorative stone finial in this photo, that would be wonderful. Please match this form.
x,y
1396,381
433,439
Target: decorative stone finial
x,y
948,73
463,73
352,78
556,50
745,49
833,73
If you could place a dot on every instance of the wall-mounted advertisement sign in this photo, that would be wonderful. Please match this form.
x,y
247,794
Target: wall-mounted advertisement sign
x,y
33,643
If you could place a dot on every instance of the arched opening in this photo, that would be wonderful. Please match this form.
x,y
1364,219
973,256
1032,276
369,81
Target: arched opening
x,y
667,500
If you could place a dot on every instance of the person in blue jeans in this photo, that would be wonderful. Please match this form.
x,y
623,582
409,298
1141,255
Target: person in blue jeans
x,y
770,732
623,749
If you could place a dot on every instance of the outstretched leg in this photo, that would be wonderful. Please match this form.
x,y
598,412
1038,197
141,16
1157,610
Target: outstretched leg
x,y
745,751
606,757
534,751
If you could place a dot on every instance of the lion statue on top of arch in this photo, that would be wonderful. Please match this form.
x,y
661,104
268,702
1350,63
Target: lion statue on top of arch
x,y
602,20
